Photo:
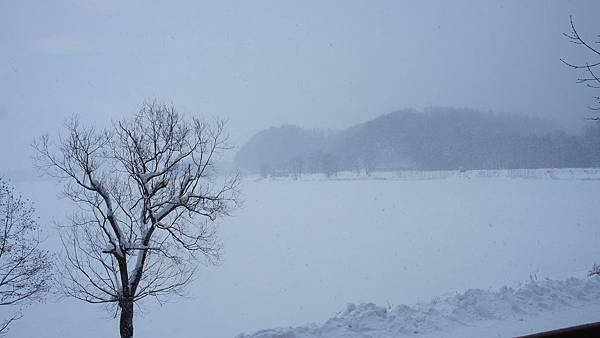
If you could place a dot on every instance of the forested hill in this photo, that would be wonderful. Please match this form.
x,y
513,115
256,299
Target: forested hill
x,y
436,138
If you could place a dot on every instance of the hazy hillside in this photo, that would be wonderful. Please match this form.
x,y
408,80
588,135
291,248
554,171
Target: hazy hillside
x,y
436,138
276,146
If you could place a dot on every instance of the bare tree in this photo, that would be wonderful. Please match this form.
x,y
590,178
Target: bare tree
x,y
369,163
329,165
590,70
148,197
297,166
265,170
25,268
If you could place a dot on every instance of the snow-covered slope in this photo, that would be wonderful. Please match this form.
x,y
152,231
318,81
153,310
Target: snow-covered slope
x,y
474,309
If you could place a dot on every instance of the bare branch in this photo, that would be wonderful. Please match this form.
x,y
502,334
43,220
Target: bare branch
x,y
591,80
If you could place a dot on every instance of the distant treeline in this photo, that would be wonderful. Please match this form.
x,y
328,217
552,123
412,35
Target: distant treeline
x,y
435,139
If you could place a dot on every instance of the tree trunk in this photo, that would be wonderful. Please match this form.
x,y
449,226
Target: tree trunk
x,y
126,321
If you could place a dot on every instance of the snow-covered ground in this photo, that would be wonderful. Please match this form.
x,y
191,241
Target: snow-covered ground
x,y
300,251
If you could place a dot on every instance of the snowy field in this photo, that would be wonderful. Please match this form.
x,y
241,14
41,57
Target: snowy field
x,y
300,251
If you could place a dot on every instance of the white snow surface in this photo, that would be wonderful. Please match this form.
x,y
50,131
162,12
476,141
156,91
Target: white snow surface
x,y
474,308
299,251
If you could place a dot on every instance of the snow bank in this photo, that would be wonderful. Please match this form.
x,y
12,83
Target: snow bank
x,y
441,314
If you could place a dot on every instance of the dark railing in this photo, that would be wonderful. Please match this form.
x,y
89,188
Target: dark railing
x,y
580,331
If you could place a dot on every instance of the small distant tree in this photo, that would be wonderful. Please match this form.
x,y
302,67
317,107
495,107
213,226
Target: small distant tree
x,y
25,268
148,196
328,165
313,162
297,166
591,70
368,160
265,170
356,167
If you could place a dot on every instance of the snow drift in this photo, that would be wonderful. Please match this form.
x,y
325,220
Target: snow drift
x,y
441,314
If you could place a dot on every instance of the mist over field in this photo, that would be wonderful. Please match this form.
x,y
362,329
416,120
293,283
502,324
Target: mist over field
x,y
301,169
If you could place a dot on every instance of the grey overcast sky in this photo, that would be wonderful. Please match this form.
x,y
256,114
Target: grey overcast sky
x,y
322,64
